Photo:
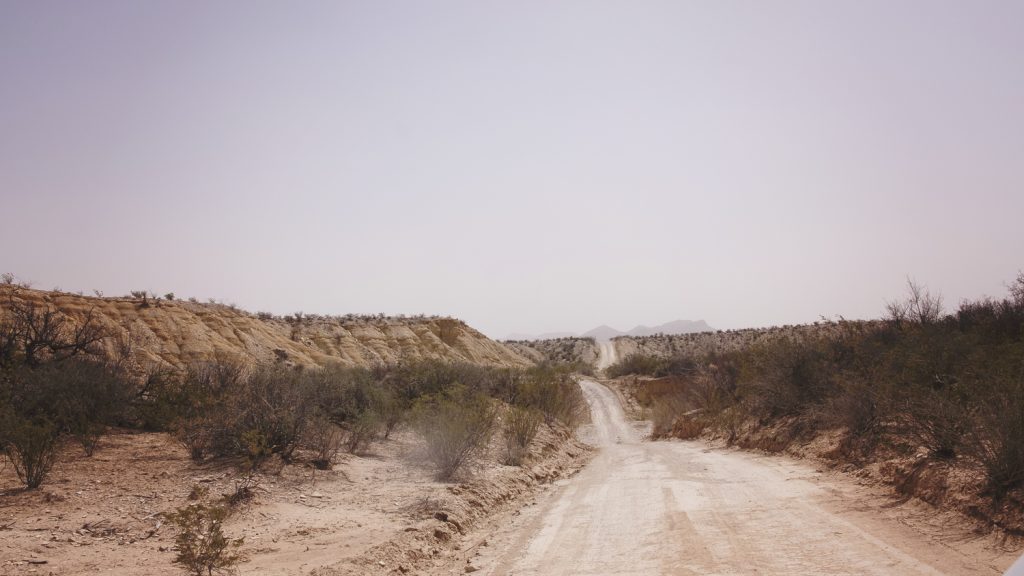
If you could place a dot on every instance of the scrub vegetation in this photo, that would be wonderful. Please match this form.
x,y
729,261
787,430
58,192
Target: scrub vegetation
x,y
944,388
59,382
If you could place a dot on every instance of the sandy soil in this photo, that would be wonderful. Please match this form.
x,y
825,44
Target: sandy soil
x,y
684,508
376,513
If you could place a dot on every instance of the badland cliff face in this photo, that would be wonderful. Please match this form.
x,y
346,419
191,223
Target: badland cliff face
x,y
175,333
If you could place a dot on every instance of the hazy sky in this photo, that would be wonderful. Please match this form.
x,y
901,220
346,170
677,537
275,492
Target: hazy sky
x,y
525,166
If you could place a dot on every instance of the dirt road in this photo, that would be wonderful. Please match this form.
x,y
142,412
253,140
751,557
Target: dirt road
x,y
607,354
681,508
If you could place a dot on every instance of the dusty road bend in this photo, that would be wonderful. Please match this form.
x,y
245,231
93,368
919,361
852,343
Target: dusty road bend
x,y
681,508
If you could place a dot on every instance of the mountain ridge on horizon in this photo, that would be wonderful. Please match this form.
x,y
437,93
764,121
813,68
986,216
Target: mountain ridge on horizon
x,y
605,332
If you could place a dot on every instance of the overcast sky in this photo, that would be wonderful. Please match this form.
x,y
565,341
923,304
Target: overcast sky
x,y
525,166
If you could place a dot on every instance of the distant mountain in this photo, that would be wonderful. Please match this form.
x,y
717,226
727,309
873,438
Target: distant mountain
x,y
676,327
544,336
605,332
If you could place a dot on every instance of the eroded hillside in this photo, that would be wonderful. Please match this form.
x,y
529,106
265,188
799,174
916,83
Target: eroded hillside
x,y
166,332
570,349
702,343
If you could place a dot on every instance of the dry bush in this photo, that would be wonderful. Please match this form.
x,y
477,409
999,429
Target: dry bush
x,y
996,441
640,364
52,383
203,548
554,392
362,430
31,446
276,405
920,307
391,411
456,426
784,379
226,410
521,426
324,438
937,420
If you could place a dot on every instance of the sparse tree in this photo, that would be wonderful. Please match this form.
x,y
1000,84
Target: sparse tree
x,y
921,306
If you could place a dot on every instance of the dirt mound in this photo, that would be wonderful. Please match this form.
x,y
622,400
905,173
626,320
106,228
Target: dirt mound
x,y
165,332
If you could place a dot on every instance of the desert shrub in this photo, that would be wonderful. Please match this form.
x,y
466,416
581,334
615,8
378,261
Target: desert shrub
x,y
255,448
31,445
345,393
420,378
456,426
324,438
275,405
552,390
714,386
226,410
937,419
920,306
784,378
996,441
361,431
157,403
639,364
391,411
82,397
857,408
521,426
679,365
203,548
52,383
205,400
